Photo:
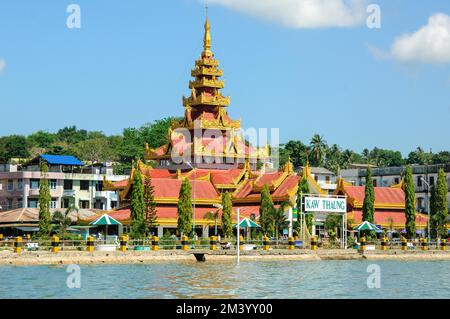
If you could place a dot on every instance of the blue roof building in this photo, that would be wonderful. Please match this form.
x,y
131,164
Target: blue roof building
x,y
65,160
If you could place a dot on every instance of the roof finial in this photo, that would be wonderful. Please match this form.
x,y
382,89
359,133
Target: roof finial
x,y
207,37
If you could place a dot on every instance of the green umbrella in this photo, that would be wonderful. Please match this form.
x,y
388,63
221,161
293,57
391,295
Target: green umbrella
x,y
247,223
105,220
366,226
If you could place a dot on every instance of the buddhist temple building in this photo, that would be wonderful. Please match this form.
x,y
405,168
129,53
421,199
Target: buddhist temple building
x,y
389,206
207,148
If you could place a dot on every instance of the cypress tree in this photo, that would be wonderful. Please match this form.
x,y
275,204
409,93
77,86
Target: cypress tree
x,y
441,205
137,206
303,188
369,198
44,203
150,204
368,209
185,208
266,211
227,223
410,210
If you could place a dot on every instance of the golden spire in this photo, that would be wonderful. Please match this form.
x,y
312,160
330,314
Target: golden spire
x,y
207,36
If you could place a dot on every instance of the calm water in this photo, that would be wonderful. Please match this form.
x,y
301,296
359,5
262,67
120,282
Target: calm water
x,y
287,279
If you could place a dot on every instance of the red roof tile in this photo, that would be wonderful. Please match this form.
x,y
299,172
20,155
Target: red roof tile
x,y
170,188
268,179
289,183
225,177
383,195
121,184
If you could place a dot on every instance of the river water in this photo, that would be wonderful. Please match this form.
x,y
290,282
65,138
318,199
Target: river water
x,y
285,279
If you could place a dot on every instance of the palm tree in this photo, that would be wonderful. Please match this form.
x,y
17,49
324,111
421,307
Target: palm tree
x,y
213,216
347,158
318,147
63,221
366,155
279,219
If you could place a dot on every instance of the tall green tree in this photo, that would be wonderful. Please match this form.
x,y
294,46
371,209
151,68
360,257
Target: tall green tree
x,y
185,208
45,198
279,220
95,150
297,151
441,205
227,210
63,220
410,210
441,157
266,211
41,139
318,148
150,204
138,228
13,146
302,190
368,209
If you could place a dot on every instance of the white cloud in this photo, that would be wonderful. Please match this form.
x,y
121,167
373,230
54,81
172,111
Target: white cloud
x,y
303,13
429,44
2,64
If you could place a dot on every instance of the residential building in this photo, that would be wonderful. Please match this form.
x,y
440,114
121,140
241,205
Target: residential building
x,y
325,178
70,181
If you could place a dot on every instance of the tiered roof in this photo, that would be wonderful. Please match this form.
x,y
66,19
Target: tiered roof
x,y
206,108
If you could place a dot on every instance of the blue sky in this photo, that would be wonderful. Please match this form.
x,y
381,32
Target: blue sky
x,y
130,64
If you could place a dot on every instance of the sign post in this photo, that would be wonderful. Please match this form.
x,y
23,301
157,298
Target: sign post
x,y
329,204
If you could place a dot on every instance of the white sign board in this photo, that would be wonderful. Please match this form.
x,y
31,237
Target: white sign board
x,y
325,204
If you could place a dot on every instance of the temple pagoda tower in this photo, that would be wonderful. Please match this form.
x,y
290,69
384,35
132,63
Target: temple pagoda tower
x,y
206,137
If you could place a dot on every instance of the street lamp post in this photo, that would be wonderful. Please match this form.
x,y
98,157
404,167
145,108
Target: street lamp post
x,y
193,218
428,206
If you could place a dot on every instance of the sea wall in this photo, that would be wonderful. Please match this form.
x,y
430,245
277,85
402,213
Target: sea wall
x,y
148,257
